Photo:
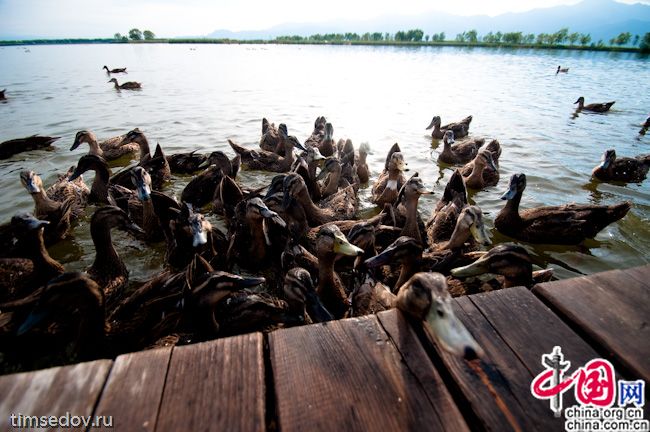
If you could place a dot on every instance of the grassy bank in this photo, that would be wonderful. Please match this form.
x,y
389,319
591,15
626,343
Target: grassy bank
x,y
310,42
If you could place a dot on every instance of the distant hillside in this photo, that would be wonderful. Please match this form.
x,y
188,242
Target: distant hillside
x,y
603,19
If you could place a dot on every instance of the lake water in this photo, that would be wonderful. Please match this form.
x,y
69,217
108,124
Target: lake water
x,y
198,96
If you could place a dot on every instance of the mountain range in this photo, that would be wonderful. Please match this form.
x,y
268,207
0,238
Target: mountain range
x,y
602,19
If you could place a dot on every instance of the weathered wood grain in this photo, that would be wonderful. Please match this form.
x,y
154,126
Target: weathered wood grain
x,y
409,346
611,308
215,386
133,391
56,392
348,375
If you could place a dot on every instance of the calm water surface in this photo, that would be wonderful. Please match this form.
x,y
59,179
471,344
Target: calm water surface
x,y
198,96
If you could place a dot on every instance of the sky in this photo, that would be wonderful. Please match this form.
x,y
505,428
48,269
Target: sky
x,y
173,18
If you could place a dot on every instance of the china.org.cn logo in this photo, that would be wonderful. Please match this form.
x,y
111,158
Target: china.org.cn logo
x,y
596,390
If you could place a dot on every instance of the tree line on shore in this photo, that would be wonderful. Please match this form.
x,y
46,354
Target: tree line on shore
x,y
560,38
136,35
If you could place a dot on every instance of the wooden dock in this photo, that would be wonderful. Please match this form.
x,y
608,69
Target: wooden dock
x,y
376,373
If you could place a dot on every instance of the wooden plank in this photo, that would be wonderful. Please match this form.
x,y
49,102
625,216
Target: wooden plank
x,y
515,329
215,386
530,329
134,388
347,375
61,391
409,346
611,308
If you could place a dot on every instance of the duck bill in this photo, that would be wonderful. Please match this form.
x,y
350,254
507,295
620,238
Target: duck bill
x,y
491,164
270,214
450,333
34,223
144,191
199,237
383,258
322,174
317,155
75,175
433,122
480,234
578,101
344,247
478,267
316,309
402,166
510,193
204,164
75,144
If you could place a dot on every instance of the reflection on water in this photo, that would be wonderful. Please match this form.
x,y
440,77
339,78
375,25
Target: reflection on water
x,y
196,97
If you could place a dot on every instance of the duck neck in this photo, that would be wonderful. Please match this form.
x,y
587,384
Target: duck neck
x,y
150,223
94,147
145,152
329,286
457,239
332,184
314,214
411,228
511,208
43,204
99,188
257,248
107,261
46,265
288,158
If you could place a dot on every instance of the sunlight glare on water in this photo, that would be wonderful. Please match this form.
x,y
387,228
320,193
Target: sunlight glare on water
x,y
195,97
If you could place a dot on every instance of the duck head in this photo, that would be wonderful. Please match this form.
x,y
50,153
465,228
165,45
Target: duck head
x,y
87,163
509,260
484,160
412,189
294,189
403,249
515,187
448,138
330,239
27,222
134,135
31,181
200,227
83,136
300,294
142,182
425,297
608,158
435,121
581,100
397,162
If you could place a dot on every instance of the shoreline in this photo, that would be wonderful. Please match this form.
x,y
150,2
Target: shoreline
x,y
303,42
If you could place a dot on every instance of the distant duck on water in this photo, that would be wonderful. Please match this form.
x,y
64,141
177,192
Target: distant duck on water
x,y
594,107
116,70
129,85
561,69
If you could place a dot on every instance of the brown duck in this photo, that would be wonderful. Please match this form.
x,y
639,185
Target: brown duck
x,y
19,145
460,129
110,148
129,85
460,153
568,224
594,107
631,170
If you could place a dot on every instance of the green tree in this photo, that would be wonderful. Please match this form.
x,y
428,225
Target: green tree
x,y
117,36
386,36
376,36
636,40
460,37
560,36
541,39
623,38
530,38
148,35
573,38
514,38
135,34
644,46
415,35
426,38
585,39
471,36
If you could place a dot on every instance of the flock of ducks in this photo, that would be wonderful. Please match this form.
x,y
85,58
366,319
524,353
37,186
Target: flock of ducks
x,y
299,237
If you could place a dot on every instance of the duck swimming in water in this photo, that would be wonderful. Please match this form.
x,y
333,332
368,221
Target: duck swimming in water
x,y
631,170
460,129
594,107
129,85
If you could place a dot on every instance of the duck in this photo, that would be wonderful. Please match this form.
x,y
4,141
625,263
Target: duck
x,y
190,163
645,126
103,191
268,161
363,172
460,153
623,169
306,166
318,134
425,297
59,214
386,187
330,242
157,208
200,190
114,70
594,107
409,195
483,172
129,85
568,224
331,174
300,294
370,297
253,233
108,269
340,206
326,146
443,218
110,148
32,266
510,261
561,69
408,252
156,165
460,129
270,140
2,94
19,145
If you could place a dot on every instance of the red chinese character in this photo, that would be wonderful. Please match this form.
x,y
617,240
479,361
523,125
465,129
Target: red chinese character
x,y
595,384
